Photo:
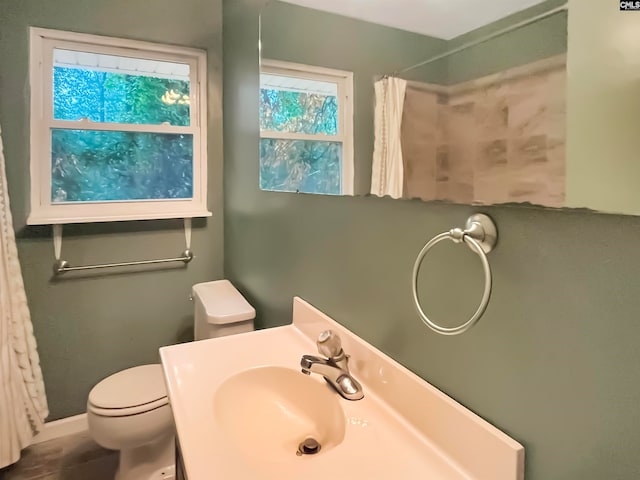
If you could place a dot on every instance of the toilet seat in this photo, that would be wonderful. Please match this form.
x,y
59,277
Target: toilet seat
x,y
127,412
132,391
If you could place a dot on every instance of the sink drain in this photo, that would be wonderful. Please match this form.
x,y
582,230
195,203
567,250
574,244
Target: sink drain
x,y
309,446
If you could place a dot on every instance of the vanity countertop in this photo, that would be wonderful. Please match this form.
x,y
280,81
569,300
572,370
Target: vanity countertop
x,y
403,427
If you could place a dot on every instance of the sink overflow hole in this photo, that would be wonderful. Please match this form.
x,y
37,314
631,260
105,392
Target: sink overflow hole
x,y
309,446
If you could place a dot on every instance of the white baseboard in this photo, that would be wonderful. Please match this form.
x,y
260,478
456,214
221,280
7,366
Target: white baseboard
x,y
62,428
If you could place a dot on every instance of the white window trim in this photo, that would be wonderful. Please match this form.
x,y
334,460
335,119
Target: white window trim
x,y
344,80
42,43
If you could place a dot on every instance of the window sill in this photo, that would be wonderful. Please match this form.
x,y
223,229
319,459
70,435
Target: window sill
x,y
49,220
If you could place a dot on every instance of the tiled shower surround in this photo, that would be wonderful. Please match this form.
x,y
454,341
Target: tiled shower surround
x,y
496,139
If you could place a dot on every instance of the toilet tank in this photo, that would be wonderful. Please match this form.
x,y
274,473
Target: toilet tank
x,y
220,310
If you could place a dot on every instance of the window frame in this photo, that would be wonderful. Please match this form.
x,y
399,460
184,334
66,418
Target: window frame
x,y
344,81
42,209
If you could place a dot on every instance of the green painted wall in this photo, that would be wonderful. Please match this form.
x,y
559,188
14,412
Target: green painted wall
x,y
90,326
604,112
543,39
554,362
366,49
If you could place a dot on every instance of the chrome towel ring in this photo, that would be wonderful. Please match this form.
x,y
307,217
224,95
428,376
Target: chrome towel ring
x,y
480,235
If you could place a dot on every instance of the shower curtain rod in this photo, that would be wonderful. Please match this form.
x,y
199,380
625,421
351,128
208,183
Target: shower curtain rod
x,y
493,35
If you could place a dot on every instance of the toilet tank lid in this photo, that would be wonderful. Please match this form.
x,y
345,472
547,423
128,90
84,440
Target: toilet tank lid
x,y
222,302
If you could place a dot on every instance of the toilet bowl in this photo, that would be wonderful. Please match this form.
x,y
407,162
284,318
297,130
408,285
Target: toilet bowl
x,y
129,411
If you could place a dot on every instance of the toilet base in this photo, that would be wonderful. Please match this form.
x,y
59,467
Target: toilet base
x,y
153,461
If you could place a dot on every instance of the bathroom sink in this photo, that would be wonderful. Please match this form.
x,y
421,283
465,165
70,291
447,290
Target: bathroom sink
x,y
268,412
243,409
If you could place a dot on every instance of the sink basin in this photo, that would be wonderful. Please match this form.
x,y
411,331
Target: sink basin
x,y
268,411
242,408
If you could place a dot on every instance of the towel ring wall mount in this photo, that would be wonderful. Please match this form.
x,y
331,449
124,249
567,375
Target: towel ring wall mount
x,y
480,235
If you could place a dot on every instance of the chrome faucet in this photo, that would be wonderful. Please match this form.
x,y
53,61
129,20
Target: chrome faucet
x,y
334,368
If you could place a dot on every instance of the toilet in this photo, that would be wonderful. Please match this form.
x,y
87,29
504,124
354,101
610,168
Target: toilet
x,y
129,411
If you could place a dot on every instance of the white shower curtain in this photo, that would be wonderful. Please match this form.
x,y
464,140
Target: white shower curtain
x,y
387,175
23,404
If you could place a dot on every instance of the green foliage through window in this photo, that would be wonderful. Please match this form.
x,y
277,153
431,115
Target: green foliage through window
x,y
294,165
118,98
300,166
91,165
298,112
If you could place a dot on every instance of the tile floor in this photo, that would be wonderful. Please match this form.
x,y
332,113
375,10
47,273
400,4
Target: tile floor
x,y
75,457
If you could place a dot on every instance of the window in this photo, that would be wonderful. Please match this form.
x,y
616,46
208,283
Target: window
x,y
306,129
118,129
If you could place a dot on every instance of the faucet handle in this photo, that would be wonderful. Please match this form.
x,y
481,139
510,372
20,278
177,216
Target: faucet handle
x,y
329,344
